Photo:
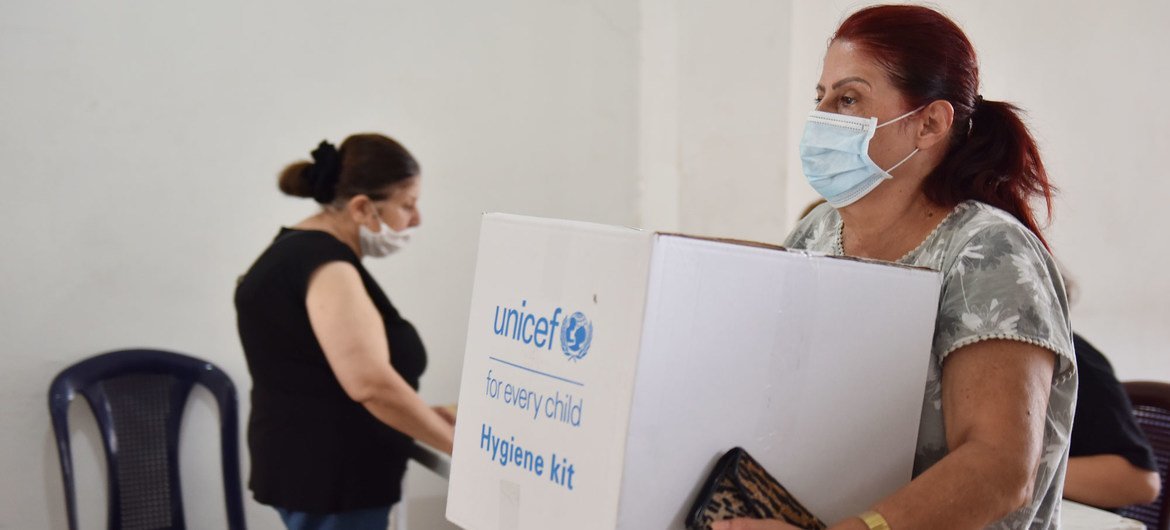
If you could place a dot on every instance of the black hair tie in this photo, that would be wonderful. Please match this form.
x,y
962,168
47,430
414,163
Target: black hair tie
x,y
323,174
974,107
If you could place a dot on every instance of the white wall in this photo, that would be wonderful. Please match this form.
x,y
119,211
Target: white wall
x,y
141,141
732,75
714,90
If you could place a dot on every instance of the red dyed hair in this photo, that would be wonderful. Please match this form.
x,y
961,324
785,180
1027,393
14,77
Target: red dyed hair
x,y
992,156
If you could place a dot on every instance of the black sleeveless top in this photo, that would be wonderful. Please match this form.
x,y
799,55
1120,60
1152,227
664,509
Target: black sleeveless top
x,y
314,449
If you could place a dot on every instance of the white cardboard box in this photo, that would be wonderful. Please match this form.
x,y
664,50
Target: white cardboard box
x,y
608,368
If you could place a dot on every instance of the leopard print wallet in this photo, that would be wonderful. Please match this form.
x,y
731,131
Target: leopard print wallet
x,y
740,487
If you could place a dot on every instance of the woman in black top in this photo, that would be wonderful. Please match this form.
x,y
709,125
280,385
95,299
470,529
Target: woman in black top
x,y
334,367
1110,462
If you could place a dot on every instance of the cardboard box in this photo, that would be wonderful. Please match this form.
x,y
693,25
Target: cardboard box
x,y
608,368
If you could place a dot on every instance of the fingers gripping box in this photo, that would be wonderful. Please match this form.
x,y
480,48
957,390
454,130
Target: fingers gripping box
x,y
608,368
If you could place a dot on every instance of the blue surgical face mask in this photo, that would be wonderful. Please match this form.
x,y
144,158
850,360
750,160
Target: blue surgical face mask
x,y
834,153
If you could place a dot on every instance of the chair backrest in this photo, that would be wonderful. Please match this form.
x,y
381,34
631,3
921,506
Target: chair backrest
x,y
1151,410
138,398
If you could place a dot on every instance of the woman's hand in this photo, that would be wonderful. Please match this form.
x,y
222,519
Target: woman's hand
x,y
752,524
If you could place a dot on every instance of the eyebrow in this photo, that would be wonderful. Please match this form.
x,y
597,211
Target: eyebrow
x,y
847,80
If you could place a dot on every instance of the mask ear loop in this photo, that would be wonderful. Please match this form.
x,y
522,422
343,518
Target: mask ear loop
x,y
912,153
900,117
887,172
378,216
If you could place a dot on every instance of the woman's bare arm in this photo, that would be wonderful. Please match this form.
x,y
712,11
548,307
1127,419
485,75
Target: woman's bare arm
x,y
352,334
995,401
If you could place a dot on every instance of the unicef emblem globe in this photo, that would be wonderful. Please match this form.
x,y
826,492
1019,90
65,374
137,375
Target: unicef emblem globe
x,y
576,335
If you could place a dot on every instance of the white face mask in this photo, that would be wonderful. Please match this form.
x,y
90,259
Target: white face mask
x,y
385,241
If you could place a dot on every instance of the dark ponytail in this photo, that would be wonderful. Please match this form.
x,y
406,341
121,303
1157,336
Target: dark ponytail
x,y
366,164
992,158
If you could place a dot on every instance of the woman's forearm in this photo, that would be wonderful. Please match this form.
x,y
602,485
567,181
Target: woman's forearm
x,y
1109,481
399,406
972,487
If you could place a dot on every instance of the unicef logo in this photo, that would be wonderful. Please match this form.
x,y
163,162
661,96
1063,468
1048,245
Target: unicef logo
x,y
576,335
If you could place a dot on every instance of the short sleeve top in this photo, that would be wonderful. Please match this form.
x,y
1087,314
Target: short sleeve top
x,y
313,448
998,282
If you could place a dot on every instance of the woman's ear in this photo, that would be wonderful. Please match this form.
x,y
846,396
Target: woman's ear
x,y
936,124
358,209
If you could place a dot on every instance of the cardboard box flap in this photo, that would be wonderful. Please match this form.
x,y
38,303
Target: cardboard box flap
x,y
780,248
514,219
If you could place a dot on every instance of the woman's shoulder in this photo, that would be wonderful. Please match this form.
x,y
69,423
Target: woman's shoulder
x,y
313,245
815,231
296,253
978,230
973,218
999,279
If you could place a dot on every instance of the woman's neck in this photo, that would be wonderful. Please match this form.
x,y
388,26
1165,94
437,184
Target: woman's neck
x,y
335,224
888,229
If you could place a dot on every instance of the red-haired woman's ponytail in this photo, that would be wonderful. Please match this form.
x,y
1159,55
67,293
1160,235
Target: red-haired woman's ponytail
x,y
993,159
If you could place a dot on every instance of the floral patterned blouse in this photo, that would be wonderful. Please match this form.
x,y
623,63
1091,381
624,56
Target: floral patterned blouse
x,y
999,282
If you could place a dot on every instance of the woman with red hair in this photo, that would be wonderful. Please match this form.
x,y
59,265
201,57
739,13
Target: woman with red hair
x,y
918,168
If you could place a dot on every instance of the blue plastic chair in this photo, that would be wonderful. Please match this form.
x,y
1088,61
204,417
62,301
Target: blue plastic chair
x,y
138,397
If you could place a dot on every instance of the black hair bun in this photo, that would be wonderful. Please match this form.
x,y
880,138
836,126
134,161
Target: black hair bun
x,y
322,175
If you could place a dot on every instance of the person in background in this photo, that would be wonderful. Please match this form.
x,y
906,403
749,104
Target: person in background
x,y
335,368
1110,462
918,168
